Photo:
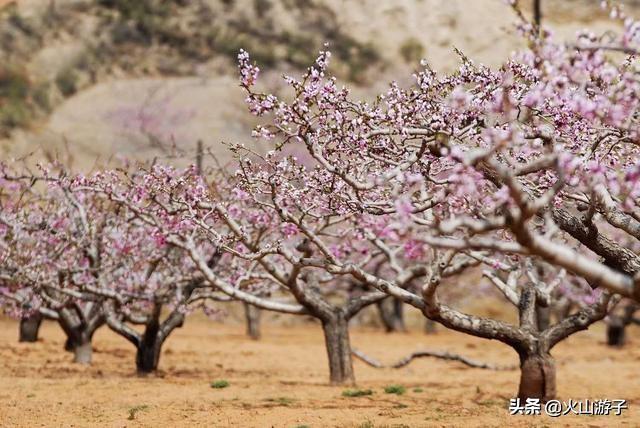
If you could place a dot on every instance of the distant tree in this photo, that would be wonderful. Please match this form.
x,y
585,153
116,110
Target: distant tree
x,y
204,217
619,318
46,242
73,255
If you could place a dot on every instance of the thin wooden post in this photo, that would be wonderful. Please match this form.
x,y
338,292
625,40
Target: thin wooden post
x,y
537,12
199,155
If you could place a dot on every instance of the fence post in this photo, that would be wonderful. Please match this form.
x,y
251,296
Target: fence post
x,y
199,153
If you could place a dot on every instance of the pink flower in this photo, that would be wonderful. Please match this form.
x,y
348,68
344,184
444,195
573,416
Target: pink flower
x,y
413,250
403,207
248,72
289,230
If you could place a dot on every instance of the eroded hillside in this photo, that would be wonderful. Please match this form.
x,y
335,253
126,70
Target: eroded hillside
x,y
87,80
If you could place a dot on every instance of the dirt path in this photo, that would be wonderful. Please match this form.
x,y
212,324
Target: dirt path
x,y
281,381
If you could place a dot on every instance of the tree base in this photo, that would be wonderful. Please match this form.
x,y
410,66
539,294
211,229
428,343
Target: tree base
x,y
252,316
147,358
616,335
537,378
336,334
83,353
29,328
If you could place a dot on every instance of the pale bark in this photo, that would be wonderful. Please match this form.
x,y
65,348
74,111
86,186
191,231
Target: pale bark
x,y
82,353
252,319
80,324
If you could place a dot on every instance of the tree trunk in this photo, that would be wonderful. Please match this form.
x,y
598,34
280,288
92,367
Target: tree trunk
x,y
148,356
79,333
82,352
616,332
29,327
430,326
398,312
543,317
336,334
79,342
619,318
69,345
148,352
537,377
252,315
391,314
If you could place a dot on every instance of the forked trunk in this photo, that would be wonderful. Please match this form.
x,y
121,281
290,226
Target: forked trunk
x,y
79,342
336,334
79,335
537,377
29,327
252,316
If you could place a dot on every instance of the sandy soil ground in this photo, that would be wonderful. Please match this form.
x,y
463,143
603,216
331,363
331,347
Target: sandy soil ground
x,y
281,381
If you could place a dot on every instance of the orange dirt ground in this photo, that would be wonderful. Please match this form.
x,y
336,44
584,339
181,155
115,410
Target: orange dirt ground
x,y
281,381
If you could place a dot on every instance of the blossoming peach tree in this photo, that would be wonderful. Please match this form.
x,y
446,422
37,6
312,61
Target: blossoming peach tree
x,y
214,215
528,172
44,236
149,281
535,162
73,255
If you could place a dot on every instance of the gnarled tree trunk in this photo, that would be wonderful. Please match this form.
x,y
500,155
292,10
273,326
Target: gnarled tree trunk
x,y
537,377
149,343
29,327
336,334
80,343
252,316
537,367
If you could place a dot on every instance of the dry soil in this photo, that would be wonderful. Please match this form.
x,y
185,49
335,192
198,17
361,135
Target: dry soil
x,y
282,381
